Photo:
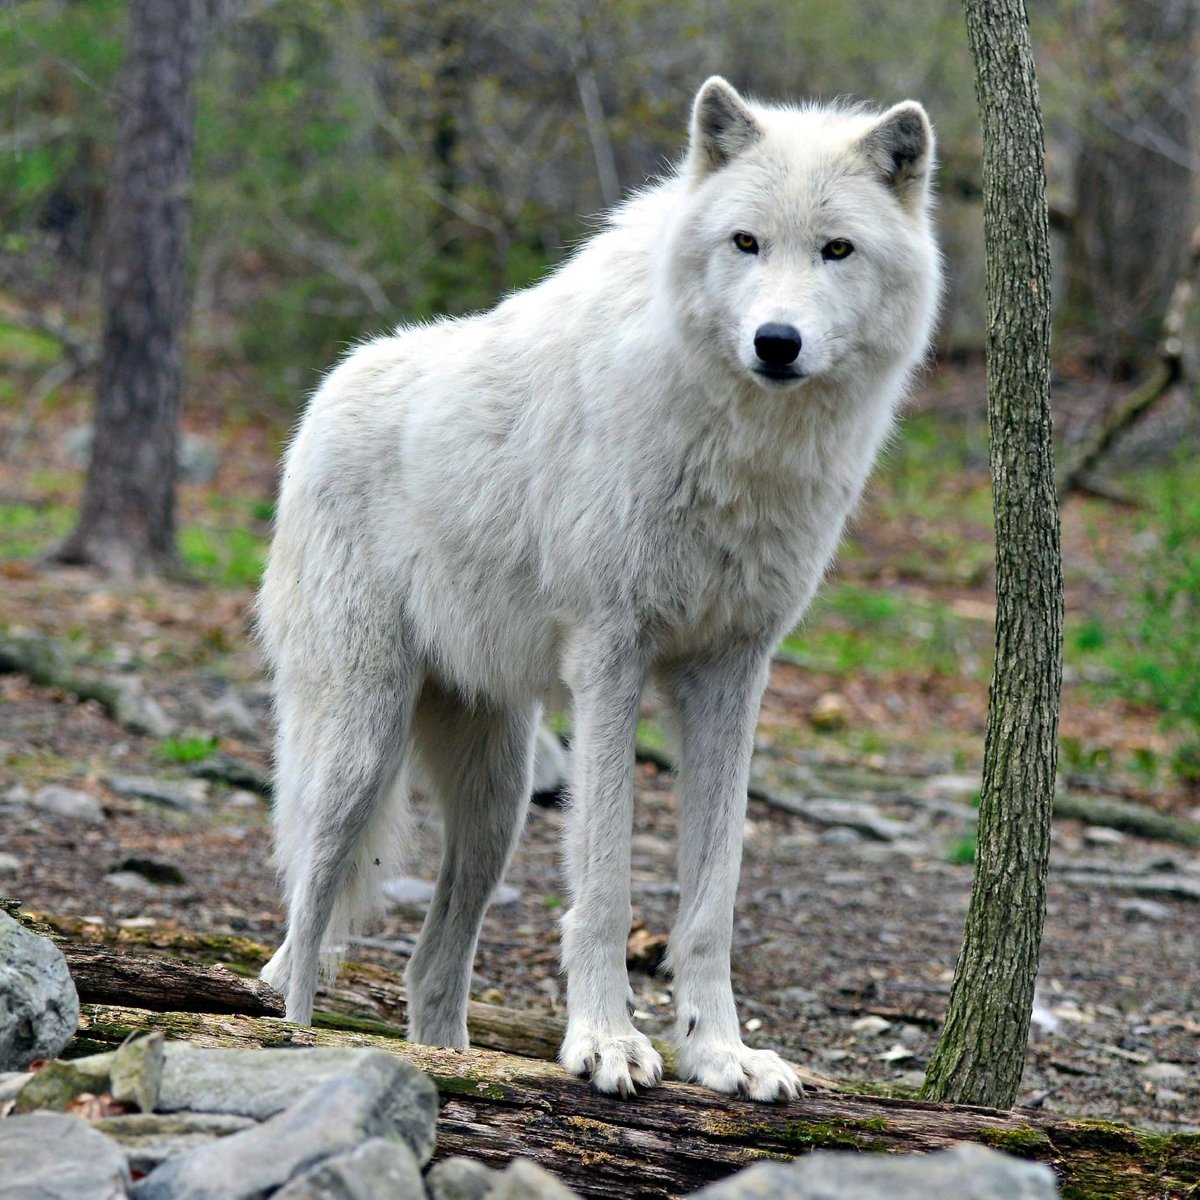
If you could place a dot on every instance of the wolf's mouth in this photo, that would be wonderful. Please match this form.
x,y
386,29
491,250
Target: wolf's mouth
x,y
779,374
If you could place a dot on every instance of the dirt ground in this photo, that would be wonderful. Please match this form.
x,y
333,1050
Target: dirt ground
x,y
845,942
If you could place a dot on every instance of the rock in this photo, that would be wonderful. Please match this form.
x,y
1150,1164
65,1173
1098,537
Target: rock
x,y
10,864
1150,910
230,714
376,1170
966,1173
829,713
149,1139
50,1156
1164,1072
60,1081
131,881
261,1083
186,795
137,710
196,458
39,1008
870,1026
136,1073
67,802
417,893
164,874
459,1179
333,1117
11,1083
1102,835
525,1180
854,814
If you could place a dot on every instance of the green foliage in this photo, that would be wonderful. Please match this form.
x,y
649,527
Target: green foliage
x,y
185,749
963,852
232,557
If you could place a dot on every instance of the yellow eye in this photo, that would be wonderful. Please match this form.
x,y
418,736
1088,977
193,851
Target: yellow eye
x,y
838,248
746,243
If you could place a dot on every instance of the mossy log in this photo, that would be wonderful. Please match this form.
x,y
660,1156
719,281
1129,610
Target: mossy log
x,y
675,1138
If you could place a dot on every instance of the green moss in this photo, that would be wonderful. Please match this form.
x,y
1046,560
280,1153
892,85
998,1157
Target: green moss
x,y
349,1023
1021,1142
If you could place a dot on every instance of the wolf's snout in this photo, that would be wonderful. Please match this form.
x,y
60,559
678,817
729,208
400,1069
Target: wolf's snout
x,y
777,345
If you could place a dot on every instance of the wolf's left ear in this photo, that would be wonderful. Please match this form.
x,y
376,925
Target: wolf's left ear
x,y
900,148
722,127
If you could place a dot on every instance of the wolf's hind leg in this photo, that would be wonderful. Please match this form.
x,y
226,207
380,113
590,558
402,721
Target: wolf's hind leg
x,y
716,704
340,751
479,760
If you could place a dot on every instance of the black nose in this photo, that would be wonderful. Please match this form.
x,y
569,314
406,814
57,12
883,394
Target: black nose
x,y
777,345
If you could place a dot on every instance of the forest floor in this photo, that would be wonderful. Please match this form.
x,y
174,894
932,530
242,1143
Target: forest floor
x,y
849,919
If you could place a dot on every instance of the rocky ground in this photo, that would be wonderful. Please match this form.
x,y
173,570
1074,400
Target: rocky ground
x,y
853,890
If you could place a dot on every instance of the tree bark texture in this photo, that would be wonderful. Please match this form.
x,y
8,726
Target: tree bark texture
x,y
675,1138
981,1053
126,523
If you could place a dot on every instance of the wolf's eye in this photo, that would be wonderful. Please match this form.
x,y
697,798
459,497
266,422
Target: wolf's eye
x,y
838,248
746,243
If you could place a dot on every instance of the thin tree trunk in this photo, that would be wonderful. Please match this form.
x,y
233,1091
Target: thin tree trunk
x,y
126,522
981,1053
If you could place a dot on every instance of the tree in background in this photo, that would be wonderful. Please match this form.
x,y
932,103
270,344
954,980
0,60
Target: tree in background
x,y
1135,172
981,1053
126,523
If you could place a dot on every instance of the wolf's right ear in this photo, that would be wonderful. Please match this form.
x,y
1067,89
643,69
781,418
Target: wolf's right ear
x,y
722,127
900,147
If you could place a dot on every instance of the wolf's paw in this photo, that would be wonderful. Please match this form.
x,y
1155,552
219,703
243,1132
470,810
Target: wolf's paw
x,y
737,1070
614,1064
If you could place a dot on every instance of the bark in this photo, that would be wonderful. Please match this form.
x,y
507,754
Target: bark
x,y
676,1138
126,524
981,1053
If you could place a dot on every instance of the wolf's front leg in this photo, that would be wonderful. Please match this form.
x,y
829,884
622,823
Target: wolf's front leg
x,y
716,702
601,1041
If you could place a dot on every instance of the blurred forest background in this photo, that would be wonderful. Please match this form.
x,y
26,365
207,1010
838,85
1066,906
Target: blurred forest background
x,y
358,164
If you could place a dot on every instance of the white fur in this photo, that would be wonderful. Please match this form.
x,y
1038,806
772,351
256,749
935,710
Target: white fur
x,y
590,485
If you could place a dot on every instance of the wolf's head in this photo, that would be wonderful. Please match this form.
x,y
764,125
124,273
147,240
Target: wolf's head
x,y
803,248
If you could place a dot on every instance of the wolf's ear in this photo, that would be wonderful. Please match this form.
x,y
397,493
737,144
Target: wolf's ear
x,y
900,147
722,127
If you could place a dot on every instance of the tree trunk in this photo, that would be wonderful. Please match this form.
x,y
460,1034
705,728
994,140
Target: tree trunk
x,y
1134,176
981,1053
675,1138
126,523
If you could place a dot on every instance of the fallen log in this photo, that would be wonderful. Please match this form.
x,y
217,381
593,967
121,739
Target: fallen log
x,y
675,1138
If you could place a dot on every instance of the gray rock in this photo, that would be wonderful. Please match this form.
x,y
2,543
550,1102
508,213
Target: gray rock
x,y
11,1082
965,1173
853,814
50,1156
137,710
334,1117
525,1180
261,1083
10,864
1164,1072
187,795
417,893
39,1007
376,1170
149,1139
196,458
131,881
67,802
459,1179
230,714
136,1072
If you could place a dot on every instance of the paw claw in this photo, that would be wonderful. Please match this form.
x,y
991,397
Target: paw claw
x,y
737,1070
616,1064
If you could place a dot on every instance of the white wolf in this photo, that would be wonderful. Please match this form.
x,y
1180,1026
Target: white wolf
x,y
638,468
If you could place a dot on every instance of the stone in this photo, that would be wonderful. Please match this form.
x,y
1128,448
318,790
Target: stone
x,y
136,709
149,1139
61,1080
376,1170
525,1180
39,1007
230,714
262,1083
333,1117
830,712
186,796
136,1072
67,802
459,1178
1164,1072
417,893
50,1156
10,864
965,1172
